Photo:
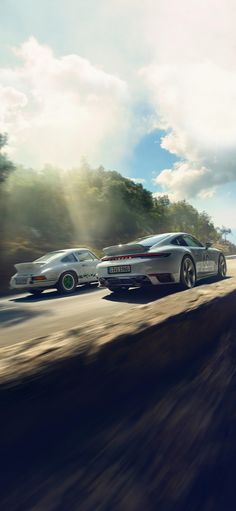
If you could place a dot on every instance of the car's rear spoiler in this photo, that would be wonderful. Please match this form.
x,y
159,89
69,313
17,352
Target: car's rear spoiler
x,y
27,267
128,248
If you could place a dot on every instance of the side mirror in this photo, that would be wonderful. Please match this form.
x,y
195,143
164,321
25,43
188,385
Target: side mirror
x,y
208,244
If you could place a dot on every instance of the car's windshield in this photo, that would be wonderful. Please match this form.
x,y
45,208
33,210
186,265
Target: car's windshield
x,y
149,241
48,257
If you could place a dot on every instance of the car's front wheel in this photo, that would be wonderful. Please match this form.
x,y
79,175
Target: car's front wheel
x,y
222,268
67,282
187,273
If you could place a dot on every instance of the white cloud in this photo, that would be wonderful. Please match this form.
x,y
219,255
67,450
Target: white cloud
x,y
66,107
57,110
137,180
185,178
192,85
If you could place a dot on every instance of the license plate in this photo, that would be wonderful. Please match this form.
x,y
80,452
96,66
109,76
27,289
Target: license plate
x,y
126,268
21,280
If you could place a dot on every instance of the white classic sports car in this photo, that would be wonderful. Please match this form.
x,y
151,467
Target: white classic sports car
x,y
160,259
63,269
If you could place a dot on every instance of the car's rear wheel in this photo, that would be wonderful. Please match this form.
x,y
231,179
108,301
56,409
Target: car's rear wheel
x,y
222,268
187,273
67,282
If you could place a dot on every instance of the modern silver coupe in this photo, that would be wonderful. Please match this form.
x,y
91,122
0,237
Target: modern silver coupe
x,y
63,269
160,259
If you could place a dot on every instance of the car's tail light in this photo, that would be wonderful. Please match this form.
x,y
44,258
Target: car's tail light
x,y
39,277
134,256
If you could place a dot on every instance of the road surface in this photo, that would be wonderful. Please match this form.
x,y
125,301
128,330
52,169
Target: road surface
x,y
23,317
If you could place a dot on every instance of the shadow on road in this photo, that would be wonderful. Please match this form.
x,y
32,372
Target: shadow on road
x,y
54,295
141,295
135,295
151,294
11,316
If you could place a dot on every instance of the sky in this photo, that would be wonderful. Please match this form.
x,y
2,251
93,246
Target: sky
x,y
144,88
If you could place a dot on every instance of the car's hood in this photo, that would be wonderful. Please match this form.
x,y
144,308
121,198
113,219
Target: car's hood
x,y
28,267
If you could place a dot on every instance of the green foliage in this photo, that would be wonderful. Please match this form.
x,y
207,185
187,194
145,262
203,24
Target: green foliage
x,y
93,206
6,166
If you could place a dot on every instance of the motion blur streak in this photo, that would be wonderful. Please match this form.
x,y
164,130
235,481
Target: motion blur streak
x,y
169,446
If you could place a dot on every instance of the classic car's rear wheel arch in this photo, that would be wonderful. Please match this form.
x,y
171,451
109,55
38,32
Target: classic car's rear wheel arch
x,y
67,282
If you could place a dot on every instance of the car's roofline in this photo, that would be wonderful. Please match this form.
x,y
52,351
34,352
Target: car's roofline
x,y
67,250
78,248
139,241
165,234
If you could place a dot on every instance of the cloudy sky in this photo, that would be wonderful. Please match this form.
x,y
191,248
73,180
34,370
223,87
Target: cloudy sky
x,y
146,88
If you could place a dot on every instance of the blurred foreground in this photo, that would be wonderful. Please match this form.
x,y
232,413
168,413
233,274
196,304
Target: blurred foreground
x,y
167,445
97,420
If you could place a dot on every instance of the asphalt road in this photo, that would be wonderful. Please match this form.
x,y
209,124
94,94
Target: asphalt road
x,y
23,317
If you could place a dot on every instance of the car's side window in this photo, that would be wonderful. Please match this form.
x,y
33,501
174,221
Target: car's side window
x,y
179,241
95,258
70,258
176,241
192,242
198,243
85,256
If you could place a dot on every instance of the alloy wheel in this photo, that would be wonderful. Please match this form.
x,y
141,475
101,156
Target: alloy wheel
x,y
68,281
222,266
189,274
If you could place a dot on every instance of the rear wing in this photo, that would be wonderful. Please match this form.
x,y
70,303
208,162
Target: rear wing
x,y
128,248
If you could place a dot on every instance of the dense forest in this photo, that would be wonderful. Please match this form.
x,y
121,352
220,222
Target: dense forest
x,y
54,208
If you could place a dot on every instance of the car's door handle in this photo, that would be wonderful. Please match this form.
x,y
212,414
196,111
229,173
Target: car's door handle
x,y
83,264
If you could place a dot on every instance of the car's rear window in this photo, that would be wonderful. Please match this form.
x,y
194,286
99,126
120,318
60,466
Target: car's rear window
x,y
69,258
48,257
137,246
150,240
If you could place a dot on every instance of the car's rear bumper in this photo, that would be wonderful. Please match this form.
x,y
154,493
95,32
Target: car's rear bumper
x,y
121,281
139,272
31,285
138,280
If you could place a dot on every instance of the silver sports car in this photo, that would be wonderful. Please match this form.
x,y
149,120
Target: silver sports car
x,y
63,269
168,258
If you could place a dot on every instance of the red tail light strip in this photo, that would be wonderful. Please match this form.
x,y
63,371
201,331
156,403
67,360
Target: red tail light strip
x,y
134,256
39,277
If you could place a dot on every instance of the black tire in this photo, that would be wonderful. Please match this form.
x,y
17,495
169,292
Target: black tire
x,y
67,282
222,267
187,273
35,292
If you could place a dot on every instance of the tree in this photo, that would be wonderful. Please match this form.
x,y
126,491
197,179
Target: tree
x,y
224,231
162,200
6,166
